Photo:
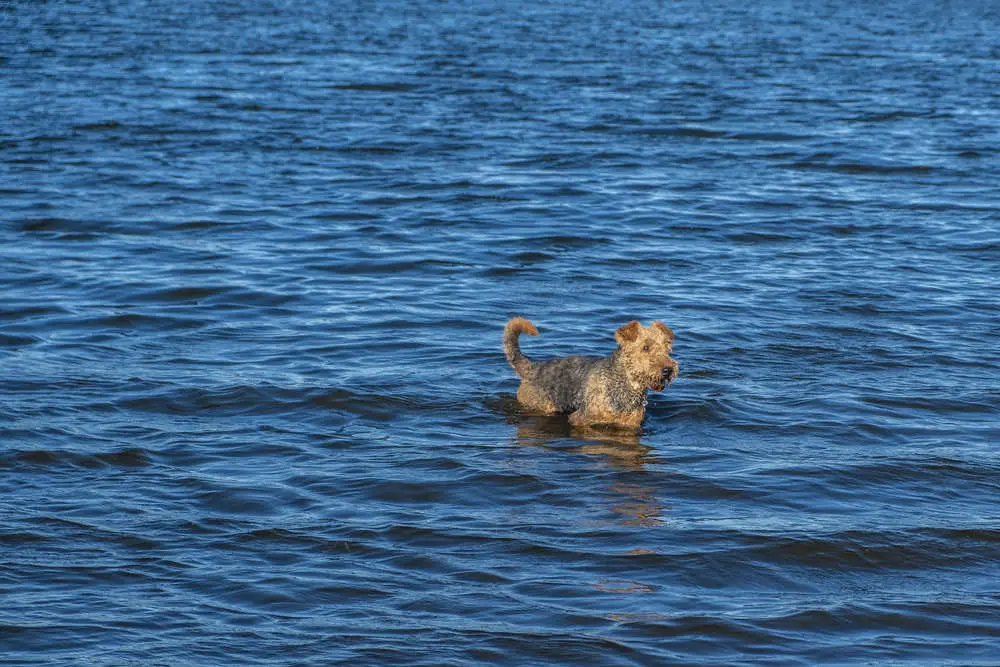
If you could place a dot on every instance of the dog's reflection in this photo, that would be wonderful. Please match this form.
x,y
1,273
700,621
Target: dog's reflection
x,y
622,450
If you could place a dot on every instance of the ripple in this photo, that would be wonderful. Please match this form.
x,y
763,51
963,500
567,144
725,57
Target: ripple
x,y
9,340
36,459
860,167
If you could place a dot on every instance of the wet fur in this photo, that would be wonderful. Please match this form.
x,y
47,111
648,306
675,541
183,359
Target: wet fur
x,y
595,391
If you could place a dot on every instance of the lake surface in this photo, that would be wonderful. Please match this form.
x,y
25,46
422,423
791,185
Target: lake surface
x,y
256,258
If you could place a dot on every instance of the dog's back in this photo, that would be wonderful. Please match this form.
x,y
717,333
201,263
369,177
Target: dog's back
x,y
563,380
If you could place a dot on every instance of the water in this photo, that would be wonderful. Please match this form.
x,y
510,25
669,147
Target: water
x,y
256,259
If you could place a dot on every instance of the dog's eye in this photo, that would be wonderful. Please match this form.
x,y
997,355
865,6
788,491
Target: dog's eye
x,y
645,348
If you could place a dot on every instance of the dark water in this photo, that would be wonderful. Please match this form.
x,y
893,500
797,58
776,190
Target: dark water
x,y
256,258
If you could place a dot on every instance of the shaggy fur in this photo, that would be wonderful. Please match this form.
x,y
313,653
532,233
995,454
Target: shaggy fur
x,y
595,391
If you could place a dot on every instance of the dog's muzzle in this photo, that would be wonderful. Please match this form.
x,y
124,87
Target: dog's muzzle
x,y
668,375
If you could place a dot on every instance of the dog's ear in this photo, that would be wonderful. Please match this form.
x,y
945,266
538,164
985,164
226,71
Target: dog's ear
x,y
628,333
665,329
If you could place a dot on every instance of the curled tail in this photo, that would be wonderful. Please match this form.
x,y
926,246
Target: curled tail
x,y
515,328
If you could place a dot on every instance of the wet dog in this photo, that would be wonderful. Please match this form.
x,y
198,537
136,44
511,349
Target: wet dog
x,y
595,391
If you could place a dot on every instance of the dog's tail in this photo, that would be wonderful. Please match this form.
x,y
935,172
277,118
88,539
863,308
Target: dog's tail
x,y
515,328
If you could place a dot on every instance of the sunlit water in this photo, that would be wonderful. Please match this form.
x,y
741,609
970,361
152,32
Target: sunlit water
x,y
256,259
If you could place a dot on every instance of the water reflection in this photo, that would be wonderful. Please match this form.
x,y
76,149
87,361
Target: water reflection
x,y
637,503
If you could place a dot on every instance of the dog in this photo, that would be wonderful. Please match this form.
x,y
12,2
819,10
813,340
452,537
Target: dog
x,y
595,391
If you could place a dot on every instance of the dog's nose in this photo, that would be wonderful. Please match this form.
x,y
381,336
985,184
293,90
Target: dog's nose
x,y
670,372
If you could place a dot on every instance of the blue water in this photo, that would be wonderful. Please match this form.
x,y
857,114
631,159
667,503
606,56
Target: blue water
x,y
256,257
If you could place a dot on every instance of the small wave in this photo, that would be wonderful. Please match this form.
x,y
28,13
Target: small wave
x,y
939,477
388,267
179,294
685,131
49,224
50,459
228,400
938,622
778,137
861,168
370,405
133,321
13,340
379,87
201,225
759,237
98,126
894,115
373,149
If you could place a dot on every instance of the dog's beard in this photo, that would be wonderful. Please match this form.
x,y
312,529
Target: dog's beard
x,y
666,377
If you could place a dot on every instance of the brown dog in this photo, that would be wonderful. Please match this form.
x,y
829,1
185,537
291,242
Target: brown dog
x,y
595,391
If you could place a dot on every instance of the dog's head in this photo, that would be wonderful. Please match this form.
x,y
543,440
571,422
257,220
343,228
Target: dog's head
x,y
646,354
